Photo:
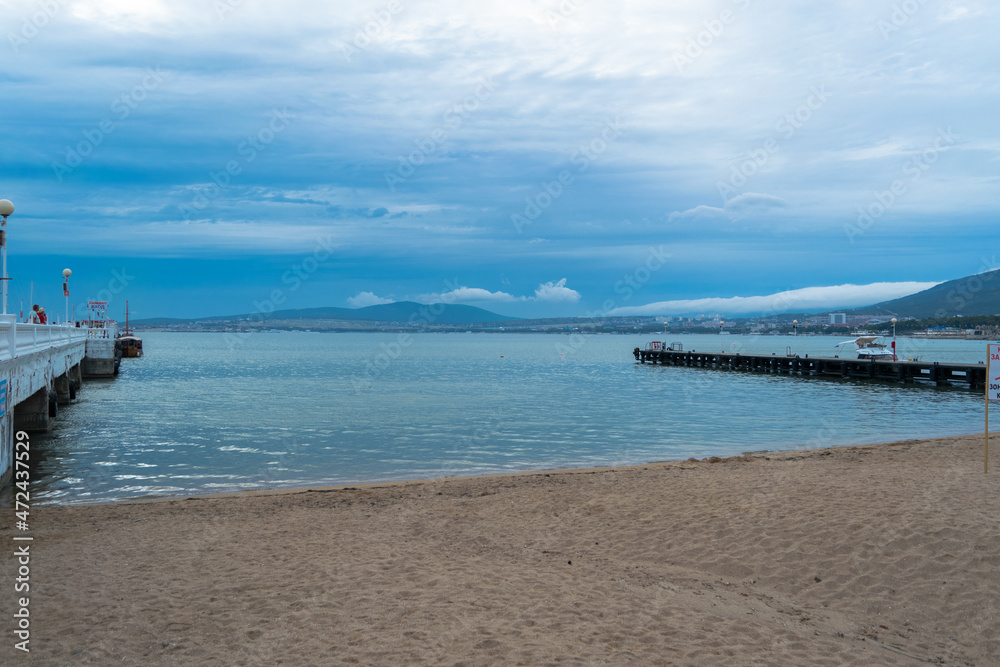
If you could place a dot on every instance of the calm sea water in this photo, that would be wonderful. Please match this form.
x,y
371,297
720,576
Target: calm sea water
x,y
199,414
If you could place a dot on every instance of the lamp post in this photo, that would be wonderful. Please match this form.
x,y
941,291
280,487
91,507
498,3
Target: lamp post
x,y
6,208
894,320
795,327
66,274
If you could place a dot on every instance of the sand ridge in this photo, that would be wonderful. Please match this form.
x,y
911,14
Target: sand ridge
x,y
880,554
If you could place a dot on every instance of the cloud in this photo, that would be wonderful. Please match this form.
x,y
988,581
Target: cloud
x,y
550,292
363,299
807,298
699,213
752,202
748,203
483,109
342,212
556,293
463,294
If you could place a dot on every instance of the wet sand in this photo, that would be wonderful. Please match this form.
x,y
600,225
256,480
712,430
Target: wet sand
x,y
879,554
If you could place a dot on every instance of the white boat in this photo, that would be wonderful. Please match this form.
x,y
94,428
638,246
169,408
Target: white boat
x,y
868,348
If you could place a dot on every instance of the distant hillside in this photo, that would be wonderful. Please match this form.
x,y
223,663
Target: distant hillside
x,y
400,311
973,295
155,321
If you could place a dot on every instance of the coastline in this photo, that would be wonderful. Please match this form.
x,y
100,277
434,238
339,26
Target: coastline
x,y
880,553
763,454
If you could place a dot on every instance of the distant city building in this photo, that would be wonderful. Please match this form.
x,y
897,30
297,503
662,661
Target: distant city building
x,y
838,318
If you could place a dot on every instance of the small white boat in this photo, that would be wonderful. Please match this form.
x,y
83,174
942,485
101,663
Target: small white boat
x,y
868,348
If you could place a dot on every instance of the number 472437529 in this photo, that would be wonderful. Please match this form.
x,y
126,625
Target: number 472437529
x,y
22,454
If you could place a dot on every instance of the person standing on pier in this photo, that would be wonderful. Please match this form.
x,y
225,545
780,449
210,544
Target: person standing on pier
x,y
38,315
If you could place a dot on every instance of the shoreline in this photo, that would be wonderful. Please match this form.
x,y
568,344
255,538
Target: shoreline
x,y
763,453
877,553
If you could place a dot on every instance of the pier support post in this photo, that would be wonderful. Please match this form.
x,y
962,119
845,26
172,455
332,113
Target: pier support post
x,y
36,413
75,380
62,388
972,374
101,360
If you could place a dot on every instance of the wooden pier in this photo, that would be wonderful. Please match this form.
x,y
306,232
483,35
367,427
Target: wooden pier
x,y
940,374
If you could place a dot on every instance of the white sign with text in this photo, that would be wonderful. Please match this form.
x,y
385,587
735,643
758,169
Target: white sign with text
x,y
993,372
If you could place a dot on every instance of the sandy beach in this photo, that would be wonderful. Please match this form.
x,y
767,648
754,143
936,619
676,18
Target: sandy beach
x,y
877,554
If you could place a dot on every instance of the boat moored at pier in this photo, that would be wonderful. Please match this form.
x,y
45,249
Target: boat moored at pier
x,y
868,347
129,344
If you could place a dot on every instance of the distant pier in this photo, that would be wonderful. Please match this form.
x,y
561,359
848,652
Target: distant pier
x,y
972,376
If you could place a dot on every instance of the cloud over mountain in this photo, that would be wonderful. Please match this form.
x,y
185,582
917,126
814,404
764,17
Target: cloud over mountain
x,y
798,300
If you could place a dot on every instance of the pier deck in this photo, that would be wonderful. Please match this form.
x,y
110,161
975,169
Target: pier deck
x,y
971,375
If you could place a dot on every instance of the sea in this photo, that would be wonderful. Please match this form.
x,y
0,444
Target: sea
x,y
208,413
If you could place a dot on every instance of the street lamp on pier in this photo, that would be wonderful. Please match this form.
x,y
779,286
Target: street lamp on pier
x,y
66,274
795,327
6,208
894,320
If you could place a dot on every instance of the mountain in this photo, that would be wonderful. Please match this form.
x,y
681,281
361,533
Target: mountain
x,y
400,311
977,294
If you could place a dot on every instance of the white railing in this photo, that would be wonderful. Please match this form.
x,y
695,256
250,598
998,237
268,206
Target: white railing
x,y
104,331
19,339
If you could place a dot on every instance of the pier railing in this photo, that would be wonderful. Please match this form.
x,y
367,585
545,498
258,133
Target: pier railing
x,y
102,333
20,339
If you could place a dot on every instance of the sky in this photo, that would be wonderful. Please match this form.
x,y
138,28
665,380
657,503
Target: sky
x,y
535,158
